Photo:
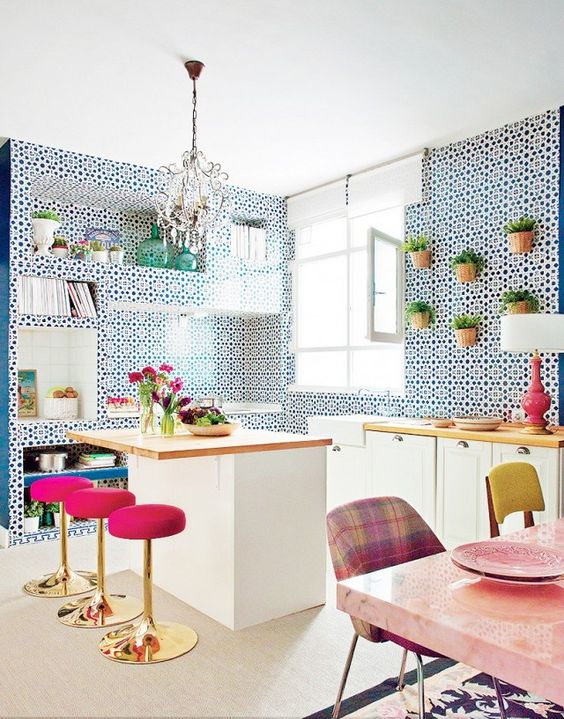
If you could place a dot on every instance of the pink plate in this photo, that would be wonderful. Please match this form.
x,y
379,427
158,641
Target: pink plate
x,y
510,561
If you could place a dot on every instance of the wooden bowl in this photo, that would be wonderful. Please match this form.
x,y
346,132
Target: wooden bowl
x,y
478,424
441,422
213,430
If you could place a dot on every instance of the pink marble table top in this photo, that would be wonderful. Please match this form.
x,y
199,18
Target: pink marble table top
x,y
513,632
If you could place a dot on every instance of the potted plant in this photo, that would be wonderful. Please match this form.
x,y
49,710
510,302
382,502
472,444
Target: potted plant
x,y
518,302
99,251
32,515
60,247
44,222
465,328
418,248
116,255
81,250
49,511
520,233
420,314
466,265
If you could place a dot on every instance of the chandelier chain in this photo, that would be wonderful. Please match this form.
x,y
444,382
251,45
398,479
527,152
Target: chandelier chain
x,y
194,115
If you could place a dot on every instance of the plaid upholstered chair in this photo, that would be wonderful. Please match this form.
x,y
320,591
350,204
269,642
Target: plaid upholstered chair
x,y
372,534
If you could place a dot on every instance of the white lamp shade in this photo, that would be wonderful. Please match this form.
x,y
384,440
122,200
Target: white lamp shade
x,y
529,332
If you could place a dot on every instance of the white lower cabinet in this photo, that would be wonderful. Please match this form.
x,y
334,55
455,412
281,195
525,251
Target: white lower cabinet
x,y
346,474
462,511
403,465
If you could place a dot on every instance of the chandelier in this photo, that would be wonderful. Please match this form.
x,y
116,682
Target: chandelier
x,y
196,197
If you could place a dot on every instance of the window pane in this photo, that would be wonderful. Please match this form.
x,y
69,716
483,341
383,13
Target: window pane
x,y
322,368
322,238
322,303
385,286
390,222
359,299
377,368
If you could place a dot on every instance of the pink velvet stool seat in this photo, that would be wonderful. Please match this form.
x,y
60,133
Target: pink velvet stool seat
x,y
149,641
64,582
100,609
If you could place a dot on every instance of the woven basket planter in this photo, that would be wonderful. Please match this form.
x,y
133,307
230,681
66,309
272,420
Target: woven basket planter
x,y
61,408
518,308
466,272
520,242
420,320
421,259
466,337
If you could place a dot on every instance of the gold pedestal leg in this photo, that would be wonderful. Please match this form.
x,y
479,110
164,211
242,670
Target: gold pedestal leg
x,y
148,642
64,582
100,609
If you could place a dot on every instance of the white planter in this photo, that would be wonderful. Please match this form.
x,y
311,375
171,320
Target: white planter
x,y
43,231
100,256
60,251
57,519
31,524
116,257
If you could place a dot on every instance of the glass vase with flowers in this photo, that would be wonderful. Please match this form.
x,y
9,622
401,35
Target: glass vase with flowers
x,y
147,382
167,395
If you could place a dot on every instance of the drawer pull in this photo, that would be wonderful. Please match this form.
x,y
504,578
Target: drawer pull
x,y
397,438
462,444
336,448
523,450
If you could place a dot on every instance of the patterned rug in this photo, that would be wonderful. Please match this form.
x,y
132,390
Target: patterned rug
x,y
452,691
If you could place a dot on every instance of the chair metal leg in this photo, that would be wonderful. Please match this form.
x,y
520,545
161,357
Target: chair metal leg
x,y
420,686
401,677
337,706
499,698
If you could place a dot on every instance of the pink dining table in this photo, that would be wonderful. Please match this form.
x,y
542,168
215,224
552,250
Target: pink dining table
x,y
513,632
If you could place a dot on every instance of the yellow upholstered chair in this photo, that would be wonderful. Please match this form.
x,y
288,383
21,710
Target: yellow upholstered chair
x,y
513,487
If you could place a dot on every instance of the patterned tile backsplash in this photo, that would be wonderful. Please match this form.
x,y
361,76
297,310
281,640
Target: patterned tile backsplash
x,y
471,188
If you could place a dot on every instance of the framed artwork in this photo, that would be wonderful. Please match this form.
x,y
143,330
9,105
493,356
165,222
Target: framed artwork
x,y
27,393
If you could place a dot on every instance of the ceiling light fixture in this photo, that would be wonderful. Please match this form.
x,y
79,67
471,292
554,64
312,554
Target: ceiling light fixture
x,y
196,197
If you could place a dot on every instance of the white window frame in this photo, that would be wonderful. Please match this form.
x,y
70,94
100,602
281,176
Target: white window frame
x,y
397,337
383,345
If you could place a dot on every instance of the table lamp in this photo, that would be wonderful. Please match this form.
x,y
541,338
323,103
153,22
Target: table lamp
x,y
533,333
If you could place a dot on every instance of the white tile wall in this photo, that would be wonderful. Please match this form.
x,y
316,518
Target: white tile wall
x,y
64,357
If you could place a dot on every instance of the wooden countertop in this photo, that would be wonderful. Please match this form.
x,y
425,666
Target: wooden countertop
x,y
507,434
188,445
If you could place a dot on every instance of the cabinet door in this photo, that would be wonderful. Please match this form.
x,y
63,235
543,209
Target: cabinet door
x,y
346,474
462,509
403,465
546,462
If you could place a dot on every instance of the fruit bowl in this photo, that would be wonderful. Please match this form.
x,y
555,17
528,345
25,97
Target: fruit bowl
x,y
213,430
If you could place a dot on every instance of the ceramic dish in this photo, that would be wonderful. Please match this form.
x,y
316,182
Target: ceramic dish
x,y
510,561
441,422
477,424
213,430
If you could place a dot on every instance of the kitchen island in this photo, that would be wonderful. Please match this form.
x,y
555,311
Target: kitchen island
x,y
254,547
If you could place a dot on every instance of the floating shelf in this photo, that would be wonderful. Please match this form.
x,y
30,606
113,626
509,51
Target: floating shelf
x,y
186,310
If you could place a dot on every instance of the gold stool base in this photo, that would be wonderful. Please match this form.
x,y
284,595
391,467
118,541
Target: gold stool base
x,y
100,610
64,583
148,642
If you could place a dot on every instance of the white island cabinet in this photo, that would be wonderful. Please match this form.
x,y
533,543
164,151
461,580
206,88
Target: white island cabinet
x,y
254,547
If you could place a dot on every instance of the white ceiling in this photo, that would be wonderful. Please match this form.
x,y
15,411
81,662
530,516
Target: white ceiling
x,y
294,93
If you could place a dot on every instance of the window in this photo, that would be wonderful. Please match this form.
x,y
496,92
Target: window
x,y
348,300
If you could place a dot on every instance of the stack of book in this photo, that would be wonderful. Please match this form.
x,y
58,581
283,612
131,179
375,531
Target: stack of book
x,y
96,460
50,296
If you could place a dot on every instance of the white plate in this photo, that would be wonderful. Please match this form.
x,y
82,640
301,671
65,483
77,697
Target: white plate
x,y
477,424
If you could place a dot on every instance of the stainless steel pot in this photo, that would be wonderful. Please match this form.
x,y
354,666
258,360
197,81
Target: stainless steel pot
x,y
52,461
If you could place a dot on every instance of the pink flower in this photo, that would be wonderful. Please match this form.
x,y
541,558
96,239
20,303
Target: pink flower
x,y
149,371
135,377
176,385
166,368
184,401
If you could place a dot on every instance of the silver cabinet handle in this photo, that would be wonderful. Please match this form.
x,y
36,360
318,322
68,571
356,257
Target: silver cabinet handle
x,y
336,448
523,450
462,444
397,438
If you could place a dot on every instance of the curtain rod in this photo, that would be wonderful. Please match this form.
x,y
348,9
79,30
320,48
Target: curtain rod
x,y
424,152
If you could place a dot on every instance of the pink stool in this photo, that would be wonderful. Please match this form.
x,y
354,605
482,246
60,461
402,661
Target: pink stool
x,y
65,582
148,641
99,609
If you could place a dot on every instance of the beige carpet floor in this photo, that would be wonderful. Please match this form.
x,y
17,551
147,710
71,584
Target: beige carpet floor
x,y
289,667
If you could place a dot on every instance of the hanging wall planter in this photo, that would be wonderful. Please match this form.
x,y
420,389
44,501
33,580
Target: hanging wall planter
x,y
420,314
418,249
518,302
520,233
466,265
465,329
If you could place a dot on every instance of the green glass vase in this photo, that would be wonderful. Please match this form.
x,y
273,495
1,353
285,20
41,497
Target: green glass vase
x,y
168,425
153,252
186,261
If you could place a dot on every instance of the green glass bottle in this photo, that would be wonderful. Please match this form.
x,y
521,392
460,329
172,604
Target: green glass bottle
x,y
186,261
153,252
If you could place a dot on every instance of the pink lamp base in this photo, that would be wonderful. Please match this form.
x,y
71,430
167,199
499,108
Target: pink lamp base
x,y
535,401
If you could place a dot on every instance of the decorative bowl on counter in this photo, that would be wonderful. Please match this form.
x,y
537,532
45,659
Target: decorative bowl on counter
x,y
213,430
477,424
441,422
